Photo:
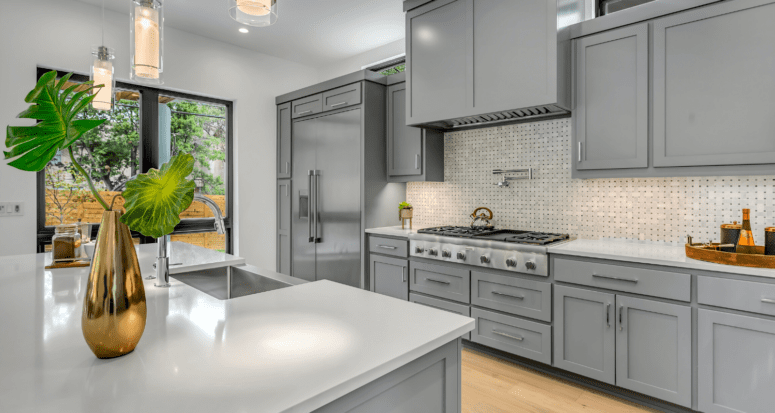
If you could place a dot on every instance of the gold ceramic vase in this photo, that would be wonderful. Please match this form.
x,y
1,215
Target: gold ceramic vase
x,y
114,308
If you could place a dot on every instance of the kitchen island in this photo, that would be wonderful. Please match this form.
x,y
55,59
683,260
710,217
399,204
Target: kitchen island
x,y
318,346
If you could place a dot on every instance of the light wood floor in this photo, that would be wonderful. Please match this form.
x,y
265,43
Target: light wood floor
x,y
492,385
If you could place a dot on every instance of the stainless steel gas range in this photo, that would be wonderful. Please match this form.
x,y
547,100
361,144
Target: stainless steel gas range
x,y
503,249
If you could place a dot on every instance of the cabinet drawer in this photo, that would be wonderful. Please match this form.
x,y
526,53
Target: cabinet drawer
x,y
342,97
389,246
737,295
445,282
443,305
513,335
512,295
655,283
307,106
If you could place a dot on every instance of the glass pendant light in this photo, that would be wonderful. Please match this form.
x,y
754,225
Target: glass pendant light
x,y
256,13
146,40
101,72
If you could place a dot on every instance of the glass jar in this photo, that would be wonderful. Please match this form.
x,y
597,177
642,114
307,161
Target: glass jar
x,y
66,243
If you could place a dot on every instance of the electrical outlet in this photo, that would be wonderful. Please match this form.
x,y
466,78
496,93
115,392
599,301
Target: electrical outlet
x,y
15,208
3,209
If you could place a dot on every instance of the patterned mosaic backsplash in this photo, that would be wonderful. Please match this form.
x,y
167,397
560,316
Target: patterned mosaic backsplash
x,y
656,209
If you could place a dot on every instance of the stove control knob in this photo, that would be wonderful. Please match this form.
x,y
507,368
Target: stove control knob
x,y
446,254
530,265
461,255
484,259
433,251
511,262
418,250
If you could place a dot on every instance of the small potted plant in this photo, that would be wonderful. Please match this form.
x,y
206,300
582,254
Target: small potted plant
x,y
405,211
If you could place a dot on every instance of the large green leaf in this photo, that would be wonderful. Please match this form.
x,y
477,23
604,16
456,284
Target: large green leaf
x,y
155,200
57,126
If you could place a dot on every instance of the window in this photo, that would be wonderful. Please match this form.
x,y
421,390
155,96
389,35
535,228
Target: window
x,y
389,66
146,125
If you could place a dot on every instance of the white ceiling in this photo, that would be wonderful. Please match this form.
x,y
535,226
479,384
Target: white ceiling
x,y
312,32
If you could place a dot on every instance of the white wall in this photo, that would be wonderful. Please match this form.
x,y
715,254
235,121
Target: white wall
x,y
60,34
356,62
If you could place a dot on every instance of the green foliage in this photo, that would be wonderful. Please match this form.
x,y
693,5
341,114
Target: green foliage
x,y
394,70
62,196
202,136
109,153
404,205
155,200
58,126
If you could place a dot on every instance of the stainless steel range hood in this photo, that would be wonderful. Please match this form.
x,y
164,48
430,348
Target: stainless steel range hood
x,y
516,64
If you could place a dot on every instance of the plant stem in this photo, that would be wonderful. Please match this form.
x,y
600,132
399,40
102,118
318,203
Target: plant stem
x,y
88,180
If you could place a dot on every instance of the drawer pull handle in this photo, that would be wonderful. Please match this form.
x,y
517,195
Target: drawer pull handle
x,y
518,297
389,247
611,277
403,273
501,333
608,314
438,281
305,112
339,104
768,300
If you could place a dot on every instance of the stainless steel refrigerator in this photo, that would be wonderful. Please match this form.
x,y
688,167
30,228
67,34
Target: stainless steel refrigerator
x,y
327,206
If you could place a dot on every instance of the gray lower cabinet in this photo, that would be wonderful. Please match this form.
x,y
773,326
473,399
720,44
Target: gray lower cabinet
x,y
284,140
584,333
713,85
513,295
284,226
513,335
389,276
611,113
735,363
654,349
414,154
452,283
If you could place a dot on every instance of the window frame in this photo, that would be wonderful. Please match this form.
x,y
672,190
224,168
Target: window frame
x,y
149,154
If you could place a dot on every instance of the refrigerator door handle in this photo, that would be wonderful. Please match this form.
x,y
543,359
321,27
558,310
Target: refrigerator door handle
x,y
310,236
317,203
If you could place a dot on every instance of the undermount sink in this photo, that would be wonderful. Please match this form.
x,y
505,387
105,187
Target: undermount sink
x,y
245,280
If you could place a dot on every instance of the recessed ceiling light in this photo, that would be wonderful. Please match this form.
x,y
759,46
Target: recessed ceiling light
x,y
243,30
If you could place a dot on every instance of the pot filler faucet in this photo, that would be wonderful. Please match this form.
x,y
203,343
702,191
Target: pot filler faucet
x,y
162,258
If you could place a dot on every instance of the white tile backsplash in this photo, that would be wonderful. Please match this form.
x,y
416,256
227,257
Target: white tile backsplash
x,y
657,209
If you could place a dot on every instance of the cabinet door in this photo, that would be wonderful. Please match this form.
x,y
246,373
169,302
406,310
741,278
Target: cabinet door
x,y
389,276
513,41
654,349
437,44
735,363
284,226
611,114
284,140
404,143
714,85
584,339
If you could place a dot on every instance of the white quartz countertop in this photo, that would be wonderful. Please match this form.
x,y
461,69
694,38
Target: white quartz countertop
x,y
392,231
288,350
648,252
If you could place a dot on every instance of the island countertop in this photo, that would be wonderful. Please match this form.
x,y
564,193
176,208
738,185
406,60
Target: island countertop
x,y
289,350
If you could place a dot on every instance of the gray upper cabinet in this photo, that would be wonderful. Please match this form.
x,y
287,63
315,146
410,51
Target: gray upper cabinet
x,y
611,112
714,85
284,226
438,72
735,356
307,106
389,276
584,333
654,349
414,154
284,140
342,97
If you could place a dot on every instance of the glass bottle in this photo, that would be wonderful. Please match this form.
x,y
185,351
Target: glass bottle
x,y
66,243
746,244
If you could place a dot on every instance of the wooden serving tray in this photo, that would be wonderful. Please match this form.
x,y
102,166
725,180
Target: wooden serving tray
x,y
710,253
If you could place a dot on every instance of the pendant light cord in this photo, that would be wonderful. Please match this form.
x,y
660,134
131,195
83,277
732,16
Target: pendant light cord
x,y
103,22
